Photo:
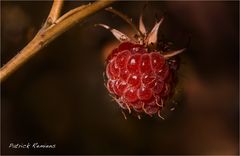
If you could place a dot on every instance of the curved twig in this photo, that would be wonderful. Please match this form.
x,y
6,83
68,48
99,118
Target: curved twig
x,y
43,38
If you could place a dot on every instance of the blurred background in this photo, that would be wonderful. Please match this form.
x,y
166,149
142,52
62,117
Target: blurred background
x,y
58,97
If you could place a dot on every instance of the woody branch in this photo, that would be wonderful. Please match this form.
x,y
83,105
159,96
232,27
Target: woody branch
x,y
54,26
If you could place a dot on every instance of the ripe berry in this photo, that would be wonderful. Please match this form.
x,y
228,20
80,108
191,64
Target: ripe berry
x,y
139,76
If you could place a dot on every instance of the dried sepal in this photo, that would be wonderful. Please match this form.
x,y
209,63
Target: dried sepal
x,y
170,54
127,19
152,36
142,27
119,35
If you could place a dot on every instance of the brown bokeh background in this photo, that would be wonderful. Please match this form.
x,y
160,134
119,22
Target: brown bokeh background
x,y
58,97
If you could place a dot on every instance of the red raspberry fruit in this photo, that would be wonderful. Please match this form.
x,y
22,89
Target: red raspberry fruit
x,y
139,76
139,79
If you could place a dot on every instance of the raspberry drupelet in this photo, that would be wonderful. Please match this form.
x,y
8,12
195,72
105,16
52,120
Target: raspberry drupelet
x,y
140,77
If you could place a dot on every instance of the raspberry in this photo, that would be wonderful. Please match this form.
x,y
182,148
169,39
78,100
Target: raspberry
x,y
140,77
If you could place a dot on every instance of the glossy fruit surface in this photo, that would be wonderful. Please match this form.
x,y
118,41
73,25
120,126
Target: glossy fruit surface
x,y
139,79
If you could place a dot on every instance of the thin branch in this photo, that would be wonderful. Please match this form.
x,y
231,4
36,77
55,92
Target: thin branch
x,y
45,37
54,13
71,12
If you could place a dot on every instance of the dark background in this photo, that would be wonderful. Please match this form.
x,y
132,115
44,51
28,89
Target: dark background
x,y
58,97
